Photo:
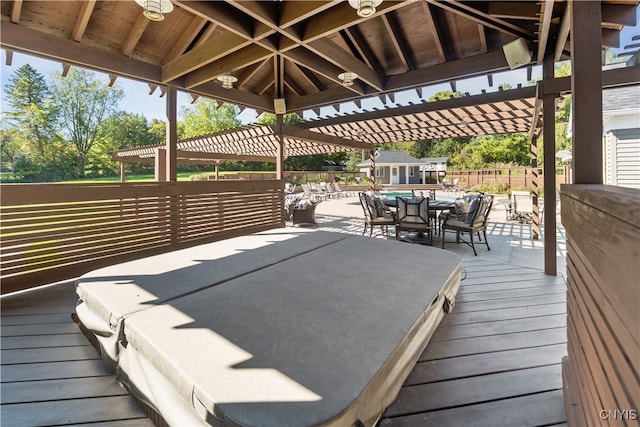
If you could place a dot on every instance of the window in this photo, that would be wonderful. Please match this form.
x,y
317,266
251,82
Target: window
x,y
411,169
379,171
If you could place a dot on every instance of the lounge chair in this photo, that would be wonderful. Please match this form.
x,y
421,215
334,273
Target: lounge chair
x,y
474,221
522,204
413,216
339,191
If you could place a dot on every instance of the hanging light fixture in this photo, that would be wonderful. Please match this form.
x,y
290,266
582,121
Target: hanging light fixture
x,y
365,8
154,10
347,78
227,80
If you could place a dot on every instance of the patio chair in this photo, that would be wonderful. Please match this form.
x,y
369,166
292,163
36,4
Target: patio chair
x,y
374,216
413,216
522,203
303,213
339,191
474,221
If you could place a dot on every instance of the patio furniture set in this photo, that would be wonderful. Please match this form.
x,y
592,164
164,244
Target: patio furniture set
x,y
419,219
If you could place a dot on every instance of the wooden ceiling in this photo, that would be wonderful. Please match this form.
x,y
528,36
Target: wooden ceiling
x,y
295,49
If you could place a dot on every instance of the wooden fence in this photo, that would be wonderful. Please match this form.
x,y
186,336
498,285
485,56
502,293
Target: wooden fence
x,y
510,178
53,232
600,373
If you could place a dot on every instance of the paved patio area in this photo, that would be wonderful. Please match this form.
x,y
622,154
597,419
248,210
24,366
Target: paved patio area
x,y
510,242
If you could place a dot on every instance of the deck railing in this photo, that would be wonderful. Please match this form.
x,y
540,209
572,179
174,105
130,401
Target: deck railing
x,y
601,379
53,232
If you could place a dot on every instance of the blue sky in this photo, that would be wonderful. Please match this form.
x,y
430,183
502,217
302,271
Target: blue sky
x,y
137,100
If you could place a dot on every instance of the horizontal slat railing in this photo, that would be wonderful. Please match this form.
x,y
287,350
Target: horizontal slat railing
x,y
53,232
600,375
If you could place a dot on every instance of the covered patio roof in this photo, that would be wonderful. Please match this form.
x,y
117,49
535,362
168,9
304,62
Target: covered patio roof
x,y
295,51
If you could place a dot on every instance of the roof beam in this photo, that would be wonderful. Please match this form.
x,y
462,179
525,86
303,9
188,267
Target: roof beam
x,y
616,77
200,155
293,12
563,32
485,19
135,34
186,38
329,51
347,62
543,29
34,42
83,19
452,70
343,16
213,49
16,10
295,132
445,72
465,101
234,96
398,44
231,62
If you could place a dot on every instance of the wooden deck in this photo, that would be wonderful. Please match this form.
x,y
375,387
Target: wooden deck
x,y
496,360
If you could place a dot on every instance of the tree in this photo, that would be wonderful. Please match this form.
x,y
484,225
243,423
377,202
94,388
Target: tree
x,y
205,117
84,104
10,146
120,131
32,112
506,149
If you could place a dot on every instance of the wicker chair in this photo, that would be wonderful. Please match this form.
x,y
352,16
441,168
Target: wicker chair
x,y
473,222
373,216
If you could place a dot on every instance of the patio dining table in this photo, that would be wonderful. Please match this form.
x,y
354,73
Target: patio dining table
x,y
437,205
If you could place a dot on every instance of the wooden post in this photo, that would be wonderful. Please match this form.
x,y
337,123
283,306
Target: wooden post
x,y
122,172
536,187
280,149
160,171
372,170
549,169
172,135
586,88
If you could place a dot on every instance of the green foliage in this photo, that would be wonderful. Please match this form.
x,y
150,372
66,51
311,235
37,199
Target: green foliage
x,y
32,112
287,119
444,94
562,69
205,117
84,104
120,131
495,150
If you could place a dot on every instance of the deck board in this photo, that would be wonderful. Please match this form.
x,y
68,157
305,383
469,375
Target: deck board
x,y
494,361
50,373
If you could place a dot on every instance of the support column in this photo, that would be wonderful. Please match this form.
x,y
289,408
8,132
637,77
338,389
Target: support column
x,y
586,88
160,171
280,149
372,170
122,172
171,173
549,170
536,187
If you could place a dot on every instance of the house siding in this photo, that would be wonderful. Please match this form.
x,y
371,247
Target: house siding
x,y
623,158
